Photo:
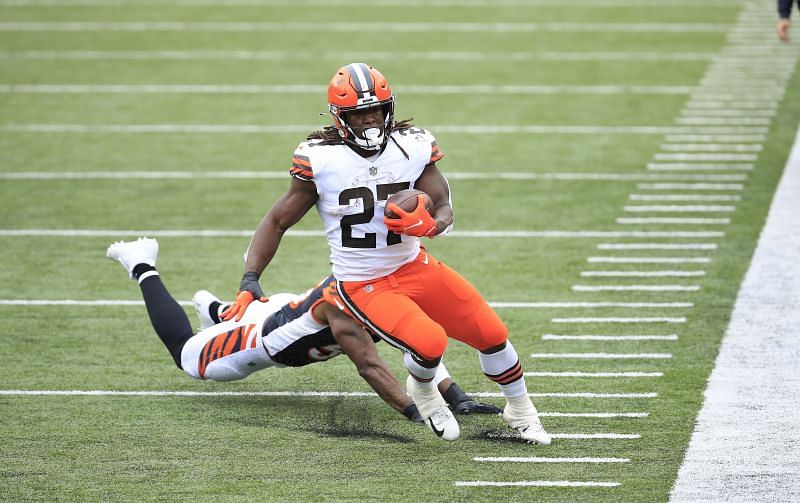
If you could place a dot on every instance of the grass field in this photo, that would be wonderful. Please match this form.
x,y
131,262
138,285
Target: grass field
x,y
574,137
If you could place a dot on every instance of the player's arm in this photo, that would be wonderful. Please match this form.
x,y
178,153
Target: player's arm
x,y
359,347
435,185
287,211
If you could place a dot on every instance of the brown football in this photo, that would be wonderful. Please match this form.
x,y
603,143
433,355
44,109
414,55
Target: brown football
x,y
407,201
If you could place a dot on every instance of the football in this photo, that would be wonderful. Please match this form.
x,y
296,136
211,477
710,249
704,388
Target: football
x,y
407,201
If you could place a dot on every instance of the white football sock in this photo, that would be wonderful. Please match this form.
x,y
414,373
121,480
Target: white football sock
x,y
504,368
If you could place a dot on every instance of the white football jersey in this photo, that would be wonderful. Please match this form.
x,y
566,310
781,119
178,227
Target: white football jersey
x,y
352,194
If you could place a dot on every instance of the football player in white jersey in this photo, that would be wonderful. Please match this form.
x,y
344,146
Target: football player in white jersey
x,y
384,278
285,331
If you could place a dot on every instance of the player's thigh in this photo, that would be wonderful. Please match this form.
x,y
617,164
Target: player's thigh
x,y
397,319
453,302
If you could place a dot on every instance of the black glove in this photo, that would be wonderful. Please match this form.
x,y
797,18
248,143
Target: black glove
x,y
250,284
473,407
412,413
461,404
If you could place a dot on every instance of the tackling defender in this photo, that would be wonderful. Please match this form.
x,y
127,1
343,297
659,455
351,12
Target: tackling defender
x,y
285,331
384,279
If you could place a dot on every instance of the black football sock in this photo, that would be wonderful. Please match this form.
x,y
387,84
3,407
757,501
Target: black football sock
x,y
213,311
140,269
167,316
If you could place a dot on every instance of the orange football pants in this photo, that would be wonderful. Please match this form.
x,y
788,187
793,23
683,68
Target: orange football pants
x,y
419,306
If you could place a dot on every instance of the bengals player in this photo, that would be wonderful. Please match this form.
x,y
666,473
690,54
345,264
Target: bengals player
x,y
384,278
284,331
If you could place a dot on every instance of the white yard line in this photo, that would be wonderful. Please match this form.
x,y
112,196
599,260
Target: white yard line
x,y
208,233
534,483
587,337
586,436
712,147
705,157
621,319
318,89
642,274
690,186
744,443
663,208
283,175
723,121
604,356
699,166
676,221
594,374
657,246
450,56
648,260
749,112
549,460
742,105
715,138
295,128
635,288
684,197
357,27
597,415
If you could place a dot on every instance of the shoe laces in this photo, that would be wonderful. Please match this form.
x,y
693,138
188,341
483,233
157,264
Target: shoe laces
x,y
441,415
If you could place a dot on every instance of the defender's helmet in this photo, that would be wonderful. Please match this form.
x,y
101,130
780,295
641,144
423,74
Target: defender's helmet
x,y
355,87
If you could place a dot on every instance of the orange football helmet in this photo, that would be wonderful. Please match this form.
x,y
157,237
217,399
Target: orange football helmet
x,y
355,87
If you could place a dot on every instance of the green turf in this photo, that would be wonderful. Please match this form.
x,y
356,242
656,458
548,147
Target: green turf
x,y
313,449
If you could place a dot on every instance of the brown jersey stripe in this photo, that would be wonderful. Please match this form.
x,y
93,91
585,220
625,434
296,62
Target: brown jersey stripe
x,y
302,160
301,173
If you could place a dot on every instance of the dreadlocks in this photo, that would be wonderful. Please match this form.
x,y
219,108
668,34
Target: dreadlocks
x,y
330,135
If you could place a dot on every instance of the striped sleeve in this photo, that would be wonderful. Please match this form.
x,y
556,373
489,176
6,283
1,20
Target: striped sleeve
x,y
301,167
436,152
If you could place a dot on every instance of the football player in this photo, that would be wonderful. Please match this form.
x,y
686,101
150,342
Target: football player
x,y
283,331
384,278
784,22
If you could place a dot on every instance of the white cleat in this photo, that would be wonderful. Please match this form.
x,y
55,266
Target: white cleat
x,y
434,410
132,253
202,300
443,423
528,426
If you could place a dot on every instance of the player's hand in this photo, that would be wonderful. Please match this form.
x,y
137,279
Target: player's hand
x,y
412,413
415,223
249,290
782,29
473,407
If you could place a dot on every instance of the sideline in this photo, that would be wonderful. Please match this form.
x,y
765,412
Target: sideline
x,y
744,445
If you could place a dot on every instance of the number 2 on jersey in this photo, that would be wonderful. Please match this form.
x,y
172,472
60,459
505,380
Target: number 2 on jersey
x,y
368,199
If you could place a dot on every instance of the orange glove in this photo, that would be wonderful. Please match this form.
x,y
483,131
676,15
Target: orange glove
x,y
249,290
237,309
416,223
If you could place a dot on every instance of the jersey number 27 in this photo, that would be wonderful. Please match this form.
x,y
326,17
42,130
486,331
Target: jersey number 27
x,y
368,199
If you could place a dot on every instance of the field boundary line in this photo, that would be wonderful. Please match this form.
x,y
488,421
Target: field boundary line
x,y
740,445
